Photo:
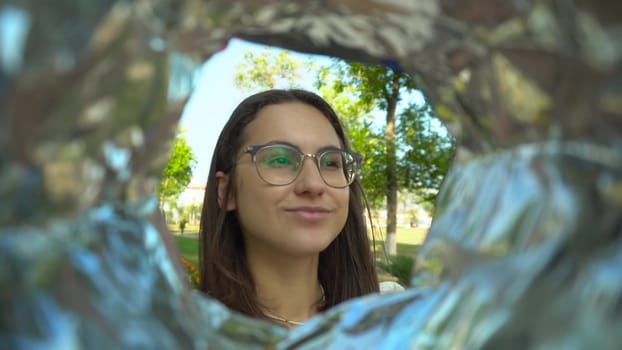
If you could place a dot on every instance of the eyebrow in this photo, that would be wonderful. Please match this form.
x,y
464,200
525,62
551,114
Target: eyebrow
x,y
324,148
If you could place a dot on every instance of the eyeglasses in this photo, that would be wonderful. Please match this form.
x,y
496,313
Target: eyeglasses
x,y
280,165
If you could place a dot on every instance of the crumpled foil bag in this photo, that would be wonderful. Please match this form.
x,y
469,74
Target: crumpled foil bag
x,y
525,249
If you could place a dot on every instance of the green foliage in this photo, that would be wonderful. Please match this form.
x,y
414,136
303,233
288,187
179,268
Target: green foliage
x,y
356,115
400,266
267,69
178,171
421,153
405,154
425,152
373,85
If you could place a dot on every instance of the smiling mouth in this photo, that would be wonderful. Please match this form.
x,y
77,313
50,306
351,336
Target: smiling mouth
x,y
310,214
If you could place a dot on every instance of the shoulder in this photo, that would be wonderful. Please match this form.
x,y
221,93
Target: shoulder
x,y
390,287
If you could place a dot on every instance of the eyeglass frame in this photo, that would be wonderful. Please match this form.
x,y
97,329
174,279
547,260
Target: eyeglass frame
x,y
358,160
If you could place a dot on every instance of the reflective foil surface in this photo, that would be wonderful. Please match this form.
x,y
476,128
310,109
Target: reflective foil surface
x,y
526,245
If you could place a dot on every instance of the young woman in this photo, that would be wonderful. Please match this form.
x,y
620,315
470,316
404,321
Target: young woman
x,y
283,235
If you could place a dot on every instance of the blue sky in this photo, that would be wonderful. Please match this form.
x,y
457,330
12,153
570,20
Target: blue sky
x,y
210,105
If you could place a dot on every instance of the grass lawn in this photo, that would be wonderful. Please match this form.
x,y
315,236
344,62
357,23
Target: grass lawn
x,y
188,247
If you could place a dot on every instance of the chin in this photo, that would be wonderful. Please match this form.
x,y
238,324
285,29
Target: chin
x,y
317,244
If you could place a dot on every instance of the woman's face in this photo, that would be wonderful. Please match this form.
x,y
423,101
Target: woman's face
x,y
305,216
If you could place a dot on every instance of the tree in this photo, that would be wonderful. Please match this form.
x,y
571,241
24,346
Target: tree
x,y
178,171
381,88
267,70
426,151
194,211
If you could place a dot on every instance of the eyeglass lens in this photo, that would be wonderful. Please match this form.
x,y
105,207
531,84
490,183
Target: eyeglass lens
x,y
280,165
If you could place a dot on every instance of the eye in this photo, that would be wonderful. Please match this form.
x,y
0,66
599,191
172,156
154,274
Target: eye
x,y
331,160
277,157
279,160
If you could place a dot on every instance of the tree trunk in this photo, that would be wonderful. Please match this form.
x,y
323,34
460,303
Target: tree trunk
x,y
391,188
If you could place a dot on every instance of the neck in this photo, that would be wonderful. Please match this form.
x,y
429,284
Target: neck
x,y
287,288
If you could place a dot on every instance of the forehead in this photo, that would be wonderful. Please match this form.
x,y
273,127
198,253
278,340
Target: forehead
x,y
297,123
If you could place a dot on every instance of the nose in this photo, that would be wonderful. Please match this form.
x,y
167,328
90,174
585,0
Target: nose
x,y
309,180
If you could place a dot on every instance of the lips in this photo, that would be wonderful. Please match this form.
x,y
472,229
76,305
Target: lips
x,y
309,213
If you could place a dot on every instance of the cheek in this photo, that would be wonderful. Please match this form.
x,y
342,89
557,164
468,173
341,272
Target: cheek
x,y
247,210
255,200
344,201
245,183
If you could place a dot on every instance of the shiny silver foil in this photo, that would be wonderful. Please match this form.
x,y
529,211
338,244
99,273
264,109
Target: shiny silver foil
x,y
525,248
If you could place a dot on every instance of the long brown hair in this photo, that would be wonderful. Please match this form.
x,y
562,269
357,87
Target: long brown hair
x,y
346,266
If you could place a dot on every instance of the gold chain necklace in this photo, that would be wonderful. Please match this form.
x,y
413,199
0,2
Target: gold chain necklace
x,y
282,319
291,322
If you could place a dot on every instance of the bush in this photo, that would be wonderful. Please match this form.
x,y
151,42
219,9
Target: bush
x,y
400,266
192,273
182,224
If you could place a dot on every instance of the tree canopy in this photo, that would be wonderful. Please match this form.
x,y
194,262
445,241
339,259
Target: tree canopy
x,y
178,172
266,69
406,152
426,152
